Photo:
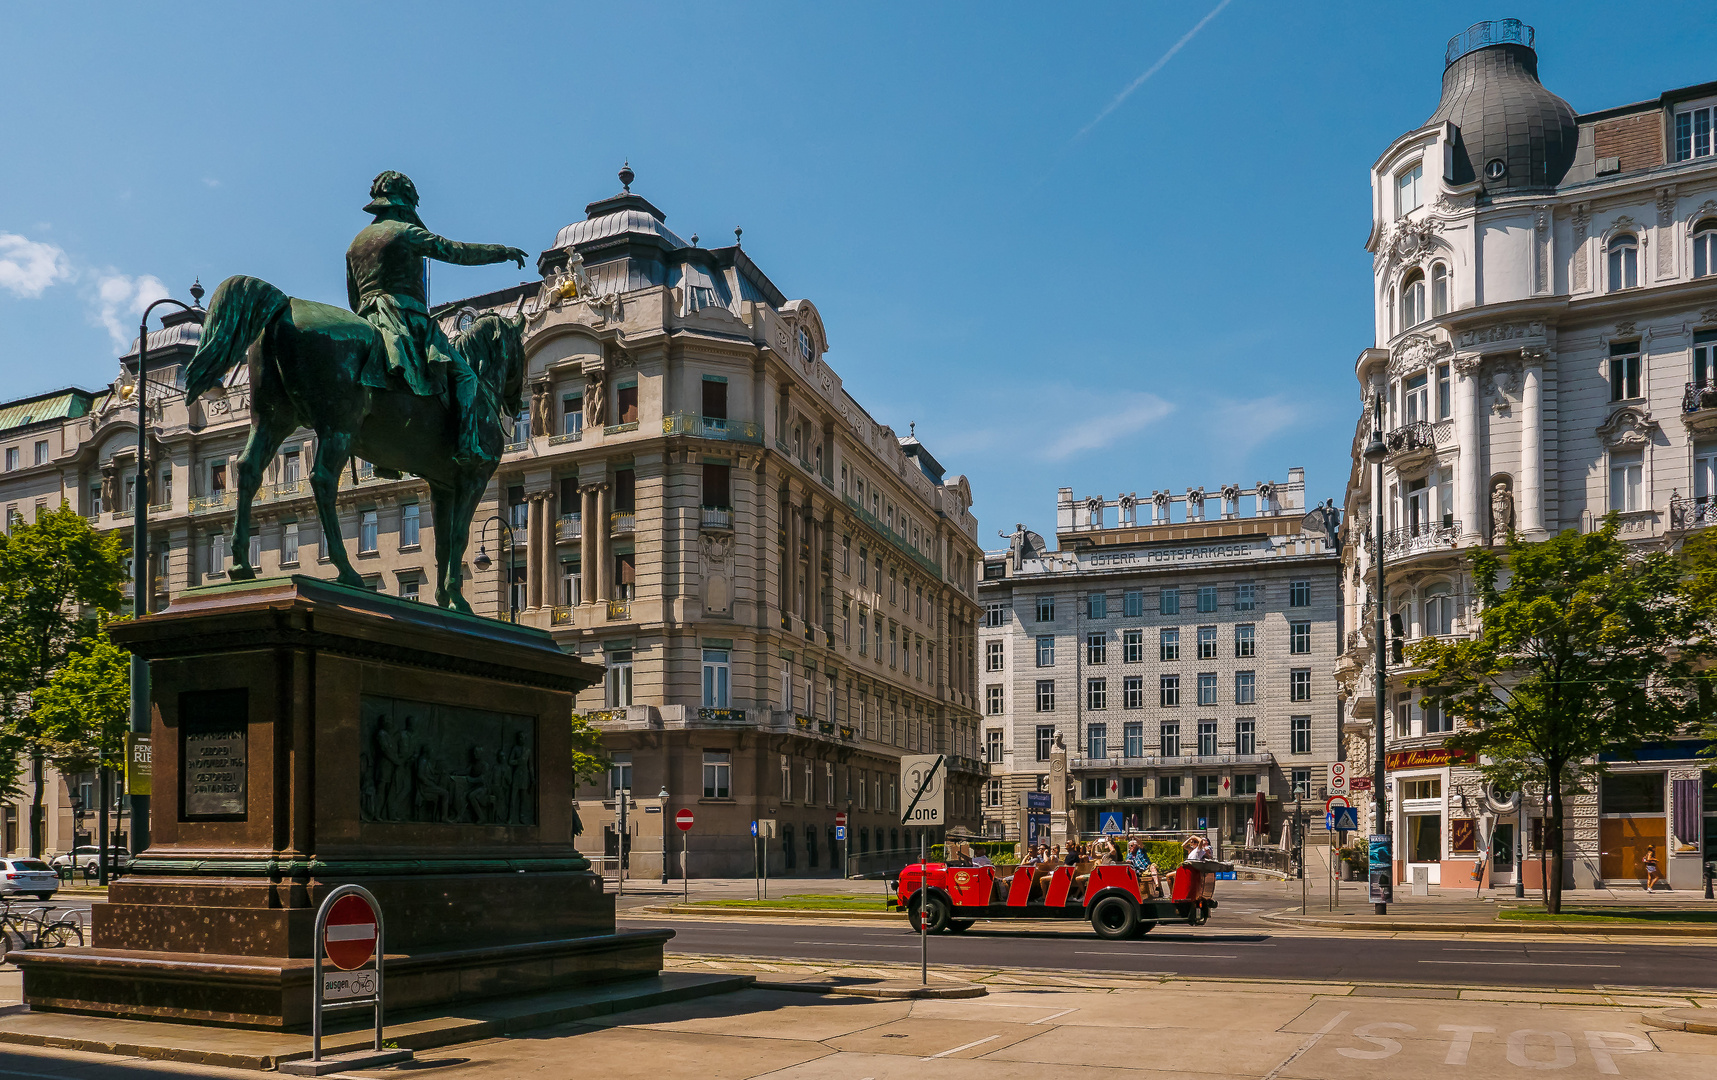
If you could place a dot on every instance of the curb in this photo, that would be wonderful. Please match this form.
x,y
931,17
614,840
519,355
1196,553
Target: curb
x,y
771,913
1702,1021
887,989
1582,929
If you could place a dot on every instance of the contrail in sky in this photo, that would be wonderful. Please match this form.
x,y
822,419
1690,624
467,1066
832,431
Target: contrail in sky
x,y
1152,70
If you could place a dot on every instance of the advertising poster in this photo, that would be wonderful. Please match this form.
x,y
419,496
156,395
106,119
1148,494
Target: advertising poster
x,y
1381,870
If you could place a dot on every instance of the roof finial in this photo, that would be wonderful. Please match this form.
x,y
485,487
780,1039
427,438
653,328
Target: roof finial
x,y
912,429
694,239
736,233
626,176
197,293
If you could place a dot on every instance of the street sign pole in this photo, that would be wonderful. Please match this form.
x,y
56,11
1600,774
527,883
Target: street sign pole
x,y
344,911
923,922
684,820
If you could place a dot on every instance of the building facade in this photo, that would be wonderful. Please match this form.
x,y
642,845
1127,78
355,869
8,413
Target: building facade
x,y
1181,647
1546,326
782,589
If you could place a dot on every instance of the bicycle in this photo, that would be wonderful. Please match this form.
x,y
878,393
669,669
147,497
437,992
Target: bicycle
x,y
36,930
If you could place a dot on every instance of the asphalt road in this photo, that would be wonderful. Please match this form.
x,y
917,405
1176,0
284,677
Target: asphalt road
x,y
1207,951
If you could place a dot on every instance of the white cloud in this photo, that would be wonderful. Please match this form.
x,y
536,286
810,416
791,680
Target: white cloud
x,y
1247,424
28,267
1104,421
117,296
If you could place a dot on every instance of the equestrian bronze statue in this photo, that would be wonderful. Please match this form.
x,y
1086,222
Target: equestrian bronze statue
x,y
384,384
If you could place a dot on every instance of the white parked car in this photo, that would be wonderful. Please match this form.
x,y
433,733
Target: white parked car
x,y
87,860
26,876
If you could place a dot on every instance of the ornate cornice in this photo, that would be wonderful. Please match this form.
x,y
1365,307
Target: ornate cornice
x,y
1627,427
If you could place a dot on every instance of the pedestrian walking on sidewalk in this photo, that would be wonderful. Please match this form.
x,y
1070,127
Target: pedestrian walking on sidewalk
x,y
1650,861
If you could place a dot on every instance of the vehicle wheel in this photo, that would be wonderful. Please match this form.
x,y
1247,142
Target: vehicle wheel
x,y
44,896
936,914
1115,918
960,926
1145,927
1200,915
59,936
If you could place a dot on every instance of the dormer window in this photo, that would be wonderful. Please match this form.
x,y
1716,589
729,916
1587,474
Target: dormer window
x,y
1693,133
804,345
1408,190
1624,262
1412,300
1705,248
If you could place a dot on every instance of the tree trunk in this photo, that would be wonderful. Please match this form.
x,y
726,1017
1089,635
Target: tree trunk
x,y
1553,840
38,821
101,853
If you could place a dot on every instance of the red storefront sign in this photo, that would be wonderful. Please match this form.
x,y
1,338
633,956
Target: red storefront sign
x,y
1430,758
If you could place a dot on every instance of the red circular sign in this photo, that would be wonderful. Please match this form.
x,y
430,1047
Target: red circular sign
x,y
841,819
349,936
684,820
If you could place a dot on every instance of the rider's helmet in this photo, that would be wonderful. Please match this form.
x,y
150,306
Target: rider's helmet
x,y
393,190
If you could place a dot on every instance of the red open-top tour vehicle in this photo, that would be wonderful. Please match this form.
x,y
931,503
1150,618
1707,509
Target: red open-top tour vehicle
x,y
942,897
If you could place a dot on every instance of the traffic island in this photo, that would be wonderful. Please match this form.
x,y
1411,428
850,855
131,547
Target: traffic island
x,y
1701,1021
895,989
308,735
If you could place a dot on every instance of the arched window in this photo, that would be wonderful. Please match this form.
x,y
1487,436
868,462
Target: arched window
x,y
1705,248
1439,611
1624,262
1412,300
1439,289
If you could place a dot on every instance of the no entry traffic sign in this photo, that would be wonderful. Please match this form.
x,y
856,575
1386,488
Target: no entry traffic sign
x,y
684,820
349,936
841,820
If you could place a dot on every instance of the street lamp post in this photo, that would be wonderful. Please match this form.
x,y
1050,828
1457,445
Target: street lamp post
x,y
1375,452
141,578
663,798
483,562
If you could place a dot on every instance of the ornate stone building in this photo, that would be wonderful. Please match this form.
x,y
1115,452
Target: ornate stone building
x,y
1545,289
782,589
1181,647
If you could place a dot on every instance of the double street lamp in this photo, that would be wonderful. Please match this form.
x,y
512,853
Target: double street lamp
x,y
1375,452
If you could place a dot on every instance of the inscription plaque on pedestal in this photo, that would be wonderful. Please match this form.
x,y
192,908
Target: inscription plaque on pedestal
x,y
212,759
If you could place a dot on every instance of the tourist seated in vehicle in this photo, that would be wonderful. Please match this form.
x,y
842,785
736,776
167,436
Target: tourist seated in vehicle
x,y
959,853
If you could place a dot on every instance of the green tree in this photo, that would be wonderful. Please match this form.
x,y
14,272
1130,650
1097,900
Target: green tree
x,y
589,759
54,573
1592,645
82,714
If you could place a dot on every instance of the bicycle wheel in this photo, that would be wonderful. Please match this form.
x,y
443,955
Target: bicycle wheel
x,y
13,935
59,935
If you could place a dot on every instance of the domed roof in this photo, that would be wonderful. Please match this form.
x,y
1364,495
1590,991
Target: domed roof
x,y
621,222
1514,135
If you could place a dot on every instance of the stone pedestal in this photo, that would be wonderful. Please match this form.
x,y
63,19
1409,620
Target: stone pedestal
x,y
307,735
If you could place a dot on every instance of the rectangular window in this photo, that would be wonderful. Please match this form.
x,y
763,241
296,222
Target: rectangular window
x,y
1299,637
1133,602
864,567
1046,651
1207,643
993,656
289,544
716,678
1245,736
1302,783
619,774
1624,371
408,586
1096,648
1693,134
1207,688
1168,739
1443,409
714,397
1133,692
995,615
717,486
410,523
1403,715
1632,793
217,553
1245,596
367,532
42,452
993,794
1046,609
1299,594
1207,787
1300,684
1168,787
1132,787
1408,187
993,744
1096,694
1627,471
518,510
718,774
619,678
1133,739
1705,345
1046,695
1169,691
1437,722
1206,738
893,644
1245,688
1207,598
571,414
1300,734
1097,741
1093,787
626,404
1045,740
1133,646
1097,606
1168,602
1168,644
864,631
1246,784
12,459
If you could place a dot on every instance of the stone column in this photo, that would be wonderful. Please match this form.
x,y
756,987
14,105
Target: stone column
x,y
533,552
604,545
587,545
1469,489
790,564
1529,493
544,562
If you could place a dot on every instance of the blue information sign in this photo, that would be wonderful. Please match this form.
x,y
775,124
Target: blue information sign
x,y
1110,823
840,832
1342,819
754,830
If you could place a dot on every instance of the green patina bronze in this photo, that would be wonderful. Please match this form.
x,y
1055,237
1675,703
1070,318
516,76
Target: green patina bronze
x,y
384,384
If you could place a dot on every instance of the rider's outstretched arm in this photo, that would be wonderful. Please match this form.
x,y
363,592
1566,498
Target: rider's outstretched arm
x,y
453,251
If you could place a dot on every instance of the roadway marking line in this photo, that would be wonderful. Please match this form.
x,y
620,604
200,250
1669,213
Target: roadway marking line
x,y
1307,1045
1176,955
862,945
1558,952
1516,963
957,1049
1052,1016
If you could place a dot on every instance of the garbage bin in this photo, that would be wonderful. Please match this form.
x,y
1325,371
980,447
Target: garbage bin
x,y
1421,877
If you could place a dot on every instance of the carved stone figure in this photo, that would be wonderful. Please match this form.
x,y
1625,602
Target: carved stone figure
x,y
501,786
1501,511
540,418
430,801
427,763
595,402
110,487
390,763
523,775
479,800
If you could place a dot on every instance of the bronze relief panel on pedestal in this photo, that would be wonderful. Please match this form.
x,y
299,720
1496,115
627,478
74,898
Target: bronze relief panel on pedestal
x,y
427,763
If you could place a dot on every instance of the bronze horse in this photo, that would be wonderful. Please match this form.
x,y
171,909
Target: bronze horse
x,y
307,375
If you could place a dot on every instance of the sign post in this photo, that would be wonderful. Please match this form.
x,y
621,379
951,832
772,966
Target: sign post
x,y
846,844
349,935
921,774
684,820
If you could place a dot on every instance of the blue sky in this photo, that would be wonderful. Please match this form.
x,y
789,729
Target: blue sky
x,y
1061,285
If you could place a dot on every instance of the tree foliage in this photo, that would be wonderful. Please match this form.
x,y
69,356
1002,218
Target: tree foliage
x,y
589,759
84,710
1591,645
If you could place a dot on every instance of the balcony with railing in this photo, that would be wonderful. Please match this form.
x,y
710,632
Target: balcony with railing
x,y
897,539
1422,537
714,428
1694,512
618,429
564,437
209,504
517,443
1417,439
713,518
1154,761
623,523
160,508
569,527
288,489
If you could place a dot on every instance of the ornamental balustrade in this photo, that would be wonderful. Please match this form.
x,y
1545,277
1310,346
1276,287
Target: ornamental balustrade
x,y
716,428
715,517
1422,537
1418,435
1692,512
623,522
569,526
